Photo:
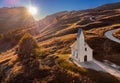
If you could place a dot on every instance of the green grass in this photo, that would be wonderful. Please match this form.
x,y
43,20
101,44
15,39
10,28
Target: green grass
x,y
65,63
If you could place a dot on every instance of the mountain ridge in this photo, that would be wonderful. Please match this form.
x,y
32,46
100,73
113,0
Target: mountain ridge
x,y
95,22
14,18
55,34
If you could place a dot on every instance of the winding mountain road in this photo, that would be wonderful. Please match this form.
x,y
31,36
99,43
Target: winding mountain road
x,y
109,35
101,66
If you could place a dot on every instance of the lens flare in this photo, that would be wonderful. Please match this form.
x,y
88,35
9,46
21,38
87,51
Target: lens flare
x,y
32,10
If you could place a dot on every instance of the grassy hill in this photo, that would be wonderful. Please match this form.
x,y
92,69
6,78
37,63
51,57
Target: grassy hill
x,y
117,33
14,23
12,18
55,34
59,31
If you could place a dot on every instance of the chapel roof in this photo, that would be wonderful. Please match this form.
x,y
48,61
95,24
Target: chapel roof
x,y
79,32
74,45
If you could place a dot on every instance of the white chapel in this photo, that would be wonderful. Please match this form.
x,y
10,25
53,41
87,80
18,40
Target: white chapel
x,y
81,52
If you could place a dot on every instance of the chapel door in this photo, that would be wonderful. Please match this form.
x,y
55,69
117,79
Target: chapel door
x,y
85,58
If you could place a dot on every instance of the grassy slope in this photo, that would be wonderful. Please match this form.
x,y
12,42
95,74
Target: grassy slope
x,y
117,33
12,18
57,69
57,37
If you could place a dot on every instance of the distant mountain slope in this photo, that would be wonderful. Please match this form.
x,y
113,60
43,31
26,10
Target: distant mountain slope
x,y
12,18
55,34
67,21
58,31
110,6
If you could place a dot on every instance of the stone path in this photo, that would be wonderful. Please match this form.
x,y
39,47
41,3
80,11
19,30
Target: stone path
x,y
99,66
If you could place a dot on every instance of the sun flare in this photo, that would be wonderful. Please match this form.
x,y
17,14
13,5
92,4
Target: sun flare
x,y
33,10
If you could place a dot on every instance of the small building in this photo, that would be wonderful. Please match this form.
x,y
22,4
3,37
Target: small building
x,y
81,52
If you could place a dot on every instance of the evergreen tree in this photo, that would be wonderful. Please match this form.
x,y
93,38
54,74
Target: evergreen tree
x,y
27,53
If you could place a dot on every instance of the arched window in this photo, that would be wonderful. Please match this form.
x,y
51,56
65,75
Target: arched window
x,y
73,53
85,49
76,55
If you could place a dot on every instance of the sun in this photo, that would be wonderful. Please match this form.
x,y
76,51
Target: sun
x,y
32,10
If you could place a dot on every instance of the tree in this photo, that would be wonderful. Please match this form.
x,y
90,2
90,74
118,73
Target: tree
x,y
1,36
27,53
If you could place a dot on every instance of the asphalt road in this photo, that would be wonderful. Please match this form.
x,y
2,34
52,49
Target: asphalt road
x,y
109,35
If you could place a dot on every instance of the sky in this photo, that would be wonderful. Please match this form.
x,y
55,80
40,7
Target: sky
x,y
47,7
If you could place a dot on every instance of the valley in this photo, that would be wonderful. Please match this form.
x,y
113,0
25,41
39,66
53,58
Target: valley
x,y
54,35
